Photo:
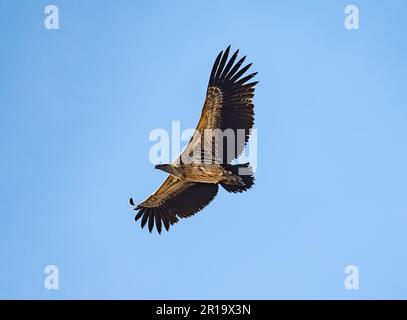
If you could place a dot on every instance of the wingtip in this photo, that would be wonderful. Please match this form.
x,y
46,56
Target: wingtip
x,y
131,202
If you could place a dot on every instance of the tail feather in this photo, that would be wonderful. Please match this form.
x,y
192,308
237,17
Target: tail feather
x,y
245,175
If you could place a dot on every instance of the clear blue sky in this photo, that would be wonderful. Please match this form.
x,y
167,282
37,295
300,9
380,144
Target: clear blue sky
x,y
77,106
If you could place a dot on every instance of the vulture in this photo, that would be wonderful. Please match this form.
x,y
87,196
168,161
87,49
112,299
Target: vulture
x,y
220,137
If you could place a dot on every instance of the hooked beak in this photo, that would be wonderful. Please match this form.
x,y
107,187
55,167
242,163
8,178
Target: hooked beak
x,y
163,167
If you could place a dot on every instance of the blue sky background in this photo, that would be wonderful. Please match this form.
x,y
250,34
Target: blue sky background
x,y
77,106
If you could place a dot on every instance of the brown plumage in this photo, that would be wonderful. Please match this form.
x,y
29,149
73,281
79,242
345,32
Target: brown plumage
x,y
194,176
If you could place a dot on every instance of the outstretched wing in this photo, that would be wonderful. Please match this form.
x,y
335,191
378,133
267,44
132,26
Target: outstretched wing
x,y
228,106
174,199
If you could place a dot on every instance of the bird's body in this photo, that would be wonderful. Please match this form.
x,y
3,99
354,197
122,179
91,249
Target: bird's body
x,y
202,173
194,177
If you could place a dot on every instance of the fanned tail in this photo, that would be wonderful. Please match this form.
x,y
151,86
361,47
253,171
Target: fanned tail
x,y
241,180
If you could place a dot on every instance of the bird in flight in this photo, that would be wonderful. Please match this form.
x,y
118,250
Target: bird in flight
x,y
219,138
